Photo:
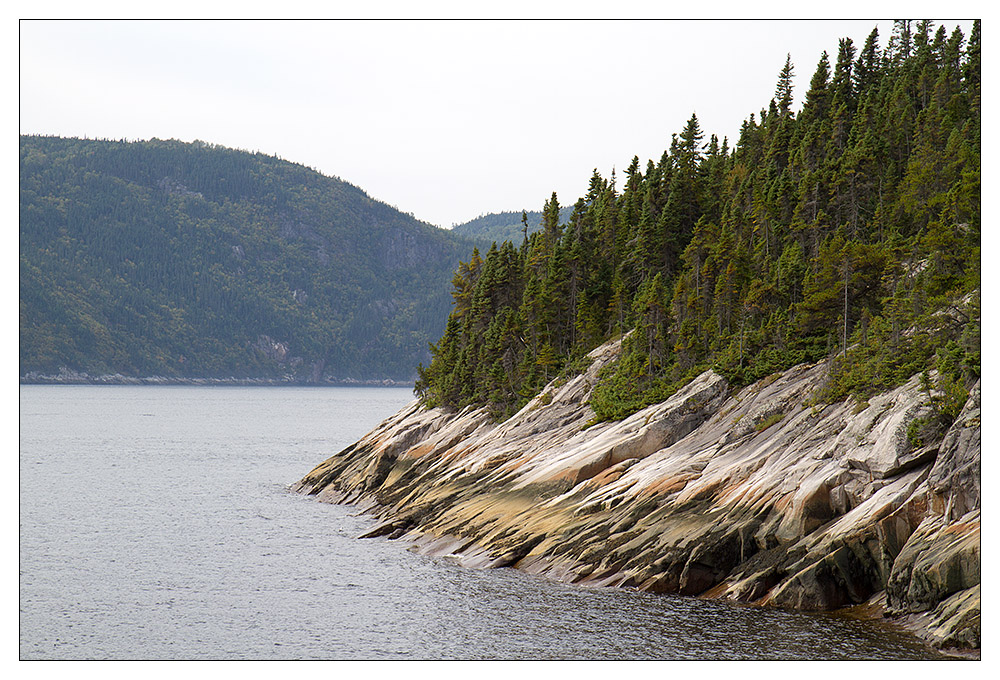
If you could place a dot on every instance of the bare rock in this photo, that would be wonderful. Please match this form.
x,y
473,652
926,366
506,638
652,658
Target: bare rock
x,y
940,559
758,496
955,477
877,440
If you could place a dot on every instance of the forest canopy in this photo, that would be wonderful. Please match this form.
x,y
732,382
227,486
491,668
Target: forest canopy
x,y
848,230
505,226
162,258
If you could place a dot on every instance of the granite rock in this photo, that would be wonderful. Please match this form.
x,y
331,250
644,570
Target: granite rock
x,y
758,495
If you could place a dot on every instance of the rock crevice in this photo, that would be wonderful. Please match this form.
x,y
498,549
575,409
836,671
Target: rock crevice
x,y
756,496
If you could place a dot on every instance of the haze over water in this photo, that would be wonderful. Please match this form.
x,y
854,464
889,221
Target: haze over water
x,y
156,523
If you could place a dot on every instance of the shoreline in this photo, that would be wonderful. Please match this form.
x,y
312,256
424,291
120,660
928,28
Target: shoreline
x,y
707,494
33,378
472,555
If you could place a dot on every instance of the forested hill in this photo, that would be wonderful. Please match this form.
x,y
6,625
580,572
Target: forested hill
x,y
848,230
191,260
505,226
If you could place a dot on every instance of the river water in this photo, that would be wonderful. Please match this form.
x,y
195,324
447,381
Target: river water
x,y
156,523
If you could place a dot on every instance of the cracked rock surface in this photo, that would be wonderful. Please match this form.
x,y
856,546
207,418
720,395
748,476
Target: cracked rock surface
x,y
750,495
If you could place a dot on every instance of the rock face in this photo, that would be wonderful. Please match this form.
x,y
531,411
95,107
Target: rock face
x,y
751,495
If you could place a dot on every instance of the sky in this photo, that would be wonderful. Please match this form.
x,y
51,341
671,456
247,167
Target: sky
x,y
446,120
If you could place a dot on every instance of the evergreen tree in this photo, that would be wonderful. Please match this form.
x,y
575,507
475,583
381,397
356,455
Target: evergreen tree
x,y
783,92
840,232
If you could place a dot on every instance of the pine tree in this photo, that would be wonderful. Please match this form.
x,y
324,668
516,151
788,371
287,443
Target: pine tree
x,y
823,234
867,69
783,92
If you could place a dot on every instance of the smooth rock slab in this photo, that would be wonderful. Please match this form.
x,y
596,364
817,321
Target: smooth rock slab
x,y
758,496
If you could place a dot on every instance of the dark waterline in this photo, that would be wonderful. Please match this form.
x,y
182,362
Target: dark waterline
x,y
156,523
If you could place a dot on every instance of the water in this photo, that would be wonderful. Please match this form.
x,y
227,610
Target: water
x,y
156,523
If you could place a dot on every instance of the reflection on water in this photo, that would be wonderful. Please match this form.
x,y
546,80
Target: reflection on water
x,y
155,522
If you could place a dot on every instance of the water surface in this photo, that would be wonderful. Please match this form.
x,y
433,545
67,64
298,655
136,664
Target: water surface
x,y
156,523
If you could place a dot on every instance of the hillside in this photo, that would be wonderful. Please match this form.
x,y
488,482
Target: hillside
x,y
848,230
751,373
190,260
504,226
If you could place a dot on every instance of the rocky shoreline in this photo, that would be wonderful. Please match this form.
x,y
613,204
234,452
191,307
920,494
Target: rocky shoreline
x,y
755,495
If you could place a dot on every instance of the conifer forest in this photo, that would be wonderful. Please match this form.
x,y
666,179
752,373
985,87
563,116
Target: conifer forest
x,y
848,230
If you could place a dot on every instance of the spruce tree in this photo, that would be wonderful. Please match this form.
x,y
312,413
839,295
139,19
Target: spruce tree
x,y
783,92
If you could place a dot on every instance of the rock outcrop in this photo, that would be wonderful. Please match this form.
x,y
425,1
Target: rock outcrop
x,y
755,495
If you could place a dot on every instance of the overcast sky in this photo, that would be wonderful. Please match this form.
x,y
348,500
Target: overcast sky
x,y
445,120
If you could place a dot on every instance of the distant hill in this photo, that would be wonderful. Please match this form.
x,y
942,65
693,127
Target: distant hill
x,y
175,259
504,226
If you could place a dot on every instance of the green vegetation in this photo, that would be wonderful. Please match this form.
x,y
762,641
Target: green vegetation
x,y
848,230
770,420
504,226
190,260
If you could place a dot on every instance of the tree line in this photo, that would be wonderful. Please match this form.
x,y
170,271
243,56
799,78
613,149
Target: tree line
x,y
847,230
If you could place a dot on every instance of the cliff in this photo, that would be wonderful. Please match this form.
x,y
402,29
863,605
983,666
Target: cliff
x,y
754,495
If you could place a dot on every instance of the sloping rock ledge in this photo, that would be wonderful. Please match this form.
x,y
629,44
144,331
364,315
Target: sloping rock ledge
x,y
750,495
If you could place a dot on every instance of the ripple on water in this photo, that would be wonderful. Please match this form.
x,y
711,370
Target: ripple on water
x,y
168,532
